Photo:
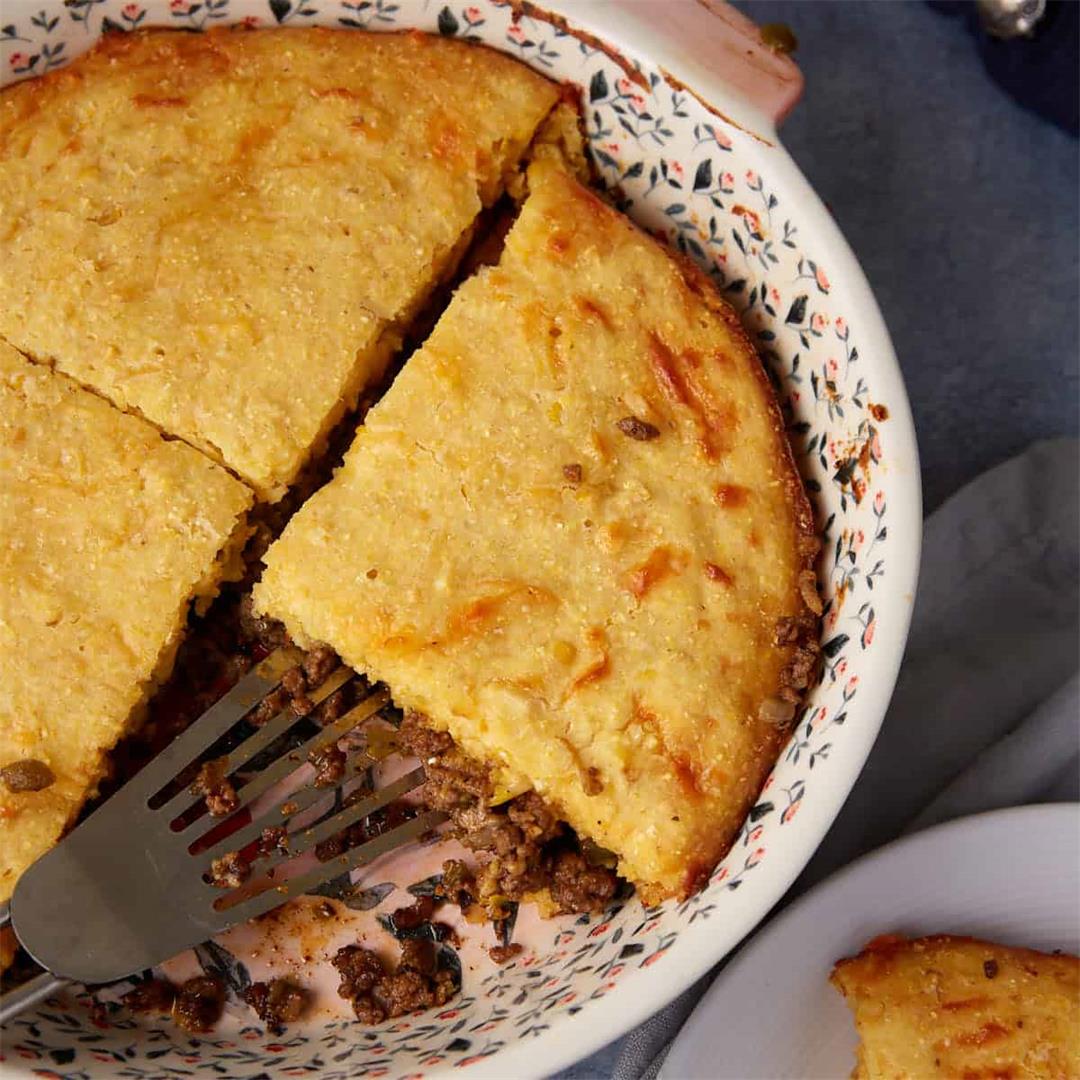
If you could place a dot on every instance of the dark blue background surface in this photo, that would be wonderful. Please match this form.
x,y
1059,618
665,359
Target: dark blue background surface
x,y
962,206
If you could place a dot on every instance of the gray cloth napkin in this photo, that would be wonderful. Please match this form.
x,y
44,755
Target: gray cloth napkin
x,y
986,711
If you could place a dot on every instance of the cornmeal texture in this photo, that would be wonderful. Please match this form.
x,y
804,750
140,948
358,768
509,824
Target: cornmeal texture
x,y
957,1008
227,232
569,534
107,533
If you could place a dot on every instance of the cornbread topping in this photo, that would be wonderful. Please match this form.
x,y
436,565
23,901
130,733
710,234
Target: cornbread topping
x,y
570,539
948,1006
237,227
630,644
108,533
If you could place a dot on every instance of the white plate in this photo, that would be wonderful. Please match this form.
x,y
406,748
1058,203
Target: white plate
x,y
1011,876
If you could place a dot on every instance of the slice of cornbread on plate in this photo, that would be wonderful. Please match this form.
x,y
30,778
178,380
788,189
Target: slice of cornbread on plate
x,y
108,533
948,1006
572,535
227,232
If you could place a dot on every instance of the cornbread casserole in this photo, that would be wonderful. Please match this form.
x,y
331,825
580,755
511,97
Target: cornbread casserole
x,y
572,536
107,533
228,232
955,1007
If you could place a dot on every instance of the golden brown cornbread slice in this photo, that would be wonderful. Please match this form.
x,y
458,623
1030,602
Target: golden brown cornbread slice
x,y
107,533
955,1007
226,231
594,612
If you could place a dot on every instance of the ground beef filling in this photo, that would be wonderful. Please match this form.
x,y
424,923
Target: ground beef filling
x,y
213,784
277,1003
458,885
29,774
376,994
151,996
199,1003
522,848
802,671
502,954
329,763
230,871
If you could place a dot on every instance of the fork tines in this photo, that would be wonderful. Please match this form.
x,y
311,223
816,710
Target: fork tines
x,y
292,866
133,883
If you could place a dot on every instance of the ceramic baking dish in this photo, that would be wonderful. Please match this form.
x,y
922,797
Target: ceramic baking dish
x,y
681,102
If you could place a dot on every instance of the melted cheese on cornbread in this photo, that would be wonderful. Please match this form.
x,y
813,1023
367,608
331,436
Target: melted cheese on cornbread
x,y
955,1007
107,532
227,231
592,612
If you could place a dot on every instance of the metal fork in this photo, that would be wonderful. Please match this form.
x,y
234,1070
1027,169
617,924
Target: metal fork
x,y
130,886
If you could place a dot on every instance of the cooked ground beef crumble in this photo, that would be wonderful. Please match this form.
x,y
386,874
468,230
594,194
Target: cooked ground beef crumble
x,y
199,1003
277,1003
213,784
457,885
196,1006
521,845
151,996
418,982
329,763
503,954
230,871
521,849
29,774
274,838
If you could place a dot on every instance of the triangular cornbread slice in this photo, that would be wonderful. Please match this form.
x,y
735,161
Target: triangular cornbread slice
x,y
107,533
954,1007
572,535
227,231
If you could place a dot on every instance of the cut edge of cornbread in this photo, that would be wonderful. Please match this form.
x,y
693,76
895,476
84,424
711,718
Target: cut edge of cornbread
x,y
382,352
32,821
227,566
287,597
557,139
271,474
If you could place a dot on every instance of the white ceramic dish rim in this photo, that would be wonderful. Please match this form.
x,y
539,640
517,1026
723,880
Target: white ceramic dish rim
x,y
931,846
613,1016
632,29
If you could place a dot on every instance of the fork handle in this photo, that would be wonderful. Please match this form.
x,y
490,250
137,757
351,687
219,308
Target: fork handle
x,y
29,993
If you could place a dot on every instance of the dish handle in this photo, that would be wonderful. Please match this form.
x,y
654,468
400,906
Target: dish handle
x,y
721,39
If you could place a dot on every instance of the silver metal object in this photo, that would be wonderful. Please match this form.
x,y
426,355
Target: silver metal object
x,y
1010,18
129,887
28,994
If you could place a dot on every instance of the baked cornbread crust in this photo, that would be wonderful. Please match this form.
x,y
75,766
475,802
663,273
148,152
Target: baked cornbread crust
x,y
107,533
948,1006
572,535
228,231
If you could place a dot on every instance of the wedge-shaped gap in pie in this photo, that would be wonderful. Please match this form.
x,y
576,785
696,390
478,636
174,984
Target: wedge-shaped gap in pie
x,y
237,228
572,536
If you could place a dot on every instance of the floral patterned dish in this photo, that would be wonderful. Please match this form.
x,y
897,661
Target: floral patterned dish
x,y
704,168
